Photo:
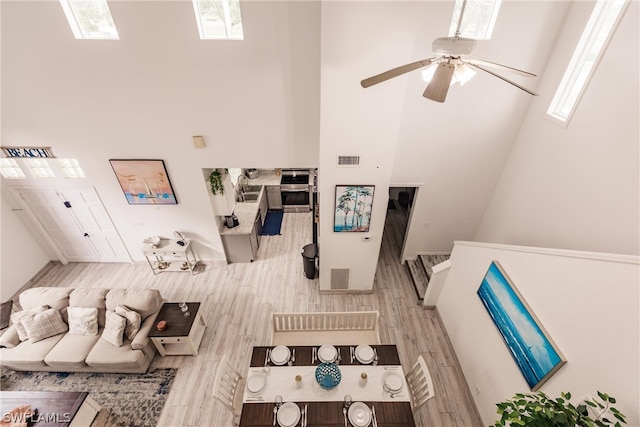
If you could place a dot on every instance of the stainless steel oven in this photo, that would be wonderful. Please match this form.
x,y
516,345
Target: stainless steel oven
x,y
294,189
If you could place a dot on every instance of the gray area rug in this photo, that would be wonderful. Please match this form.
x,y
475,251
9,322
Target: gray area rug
x,y
131,400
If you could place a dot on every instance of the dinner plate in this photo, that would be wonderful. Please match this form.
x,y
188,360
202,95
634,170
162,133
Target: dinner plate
x,y
359,414
280,354
392,381
364,354
288,414
256,382
327,353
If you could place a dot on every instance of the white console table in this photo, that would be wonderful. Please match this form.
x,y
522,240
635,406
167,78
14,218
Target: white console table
x,y
170,256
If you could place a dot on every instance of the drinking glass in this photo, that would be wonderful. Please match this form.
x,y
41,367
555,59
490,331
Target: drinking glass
x,y
266,369
184,307
278,401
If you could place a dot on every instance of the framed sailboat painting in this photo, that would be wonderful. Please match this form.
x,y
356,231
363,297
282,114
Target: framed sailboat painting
x,y
144,182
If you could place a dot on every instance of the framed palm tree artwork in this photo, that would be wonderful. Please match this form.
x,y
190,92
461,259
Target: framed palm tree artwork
x,y
353,208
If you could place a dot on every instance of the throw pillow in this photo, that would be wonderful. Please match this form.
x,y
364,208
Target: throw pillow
x,y
114,328
16,319
83,320
44,325
133,320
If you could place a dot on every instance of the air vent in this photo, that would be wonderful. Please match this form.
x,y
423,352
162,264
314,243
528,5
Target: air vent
x,y
340,278
349,161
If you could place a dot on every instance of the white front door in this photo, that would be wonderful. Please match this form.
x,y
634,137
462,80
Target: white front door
x,y
77,222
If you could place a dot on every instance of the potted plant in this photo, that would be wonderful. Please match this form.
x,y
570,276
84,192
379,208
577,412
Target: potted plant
x,y
539,410
215,181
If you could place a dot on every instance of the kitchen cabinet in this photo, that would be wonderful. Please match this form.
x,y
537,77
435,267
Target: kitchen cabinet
x,y
274,197
243,247
264,207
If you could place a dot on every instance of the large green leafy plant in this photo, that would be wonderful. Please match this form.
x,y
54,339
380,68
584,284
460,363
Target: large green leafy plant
x,y
539,410
215,181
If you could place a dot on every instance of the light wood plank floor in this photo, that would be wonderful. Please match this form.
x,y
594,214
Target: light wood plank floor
x,y
238,300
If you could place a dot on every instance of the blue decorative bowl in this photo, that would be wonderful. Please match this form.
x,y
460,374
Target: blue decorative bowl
x,y
328,375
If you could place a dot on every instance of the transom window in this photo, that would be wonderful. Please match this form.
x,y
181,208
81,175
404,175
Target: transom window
x,y
71,168
478,19
39,168
90,19
603,21
10,169
218,19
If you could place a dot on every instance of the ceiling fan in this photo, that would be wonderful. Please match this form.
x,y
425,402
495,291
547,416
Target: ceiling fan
x,y
449,67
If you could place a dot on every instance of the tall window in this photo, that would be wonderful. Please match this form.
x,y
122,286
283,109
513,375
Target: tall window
x,y
90,19
604,19
218,19
10,169
39,168
478,19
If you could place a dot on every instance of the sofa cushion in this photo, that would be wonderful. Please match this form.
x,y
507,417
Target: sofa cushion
x,y
90,297
105,355
144,301
17,317
114,328
57,298
28,355
71,351
44,325
10,338
133,321
83,320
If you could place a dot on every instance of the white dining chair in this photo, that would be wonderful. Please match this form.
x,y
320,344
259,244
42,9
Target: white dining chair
x,y
420,384
228,388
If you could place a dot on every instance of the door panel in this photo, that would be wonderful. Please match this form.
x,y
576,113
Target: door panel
x,y
83,231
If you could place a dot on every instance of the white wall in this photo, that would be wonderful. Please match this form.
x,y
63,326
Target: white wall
x,y
588,303
577,187
457,149
256,102
21,254
355,122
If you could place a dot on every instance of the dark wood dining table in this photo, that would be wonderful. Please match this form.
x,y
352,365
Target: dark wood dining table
x,y
328,413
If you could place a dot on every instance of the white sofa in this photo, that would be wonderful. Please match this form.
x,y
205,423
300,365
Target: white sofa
x,y
67,352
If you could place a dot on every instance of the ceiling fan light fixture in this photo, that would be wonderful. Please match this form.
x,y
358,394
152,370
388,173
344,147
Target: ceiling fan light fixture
x,y
462,74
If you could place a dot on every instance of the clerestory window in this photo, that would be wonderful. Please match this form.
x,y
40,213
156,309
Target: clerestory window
x,y
597,33
218,19
90,19
478,19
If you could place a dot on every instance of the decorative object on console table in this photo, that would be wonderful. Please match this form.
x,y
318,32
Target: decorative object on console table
x,y
144,182
183,334
532,348
169,253
353,208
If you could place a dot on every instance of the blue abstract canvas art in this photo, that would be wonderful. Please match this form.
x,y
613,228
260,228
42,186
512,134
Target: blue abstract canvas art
x,y
534,352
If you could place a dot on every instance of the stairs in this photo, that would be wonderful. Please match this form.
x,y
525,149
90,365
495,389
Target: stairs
x,y
420,271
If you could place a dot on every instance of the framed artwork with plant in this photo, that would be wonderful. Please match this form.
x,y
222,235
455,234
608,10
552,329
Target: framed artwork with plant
x,y
144,182
353,208
532,348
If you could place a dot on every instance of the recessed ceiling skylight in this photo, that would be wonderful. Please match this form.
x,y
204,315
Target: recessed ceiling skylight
x,y
90,19
479,18
219,19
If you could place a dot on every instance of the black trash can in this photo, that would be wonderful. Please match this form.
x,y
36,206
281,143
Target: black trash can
x,y
309,254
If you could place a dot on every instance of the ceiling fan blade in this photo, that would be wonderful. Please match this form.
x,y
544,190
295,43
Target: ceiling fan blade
x,y
500,67
394,72
503,78
439,85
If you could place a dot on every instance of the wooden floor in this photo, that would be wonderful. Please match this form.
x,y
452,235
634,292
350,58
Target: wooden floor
x,y
238,299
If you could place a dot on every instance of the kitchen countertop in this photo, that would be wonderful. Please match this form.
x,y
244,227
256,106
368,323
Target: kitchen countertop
x,y
247,211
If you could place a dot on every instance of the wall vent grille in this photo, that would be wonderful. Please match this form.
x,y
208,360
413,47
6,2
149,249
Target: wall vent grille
x,y
348,161
340,278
